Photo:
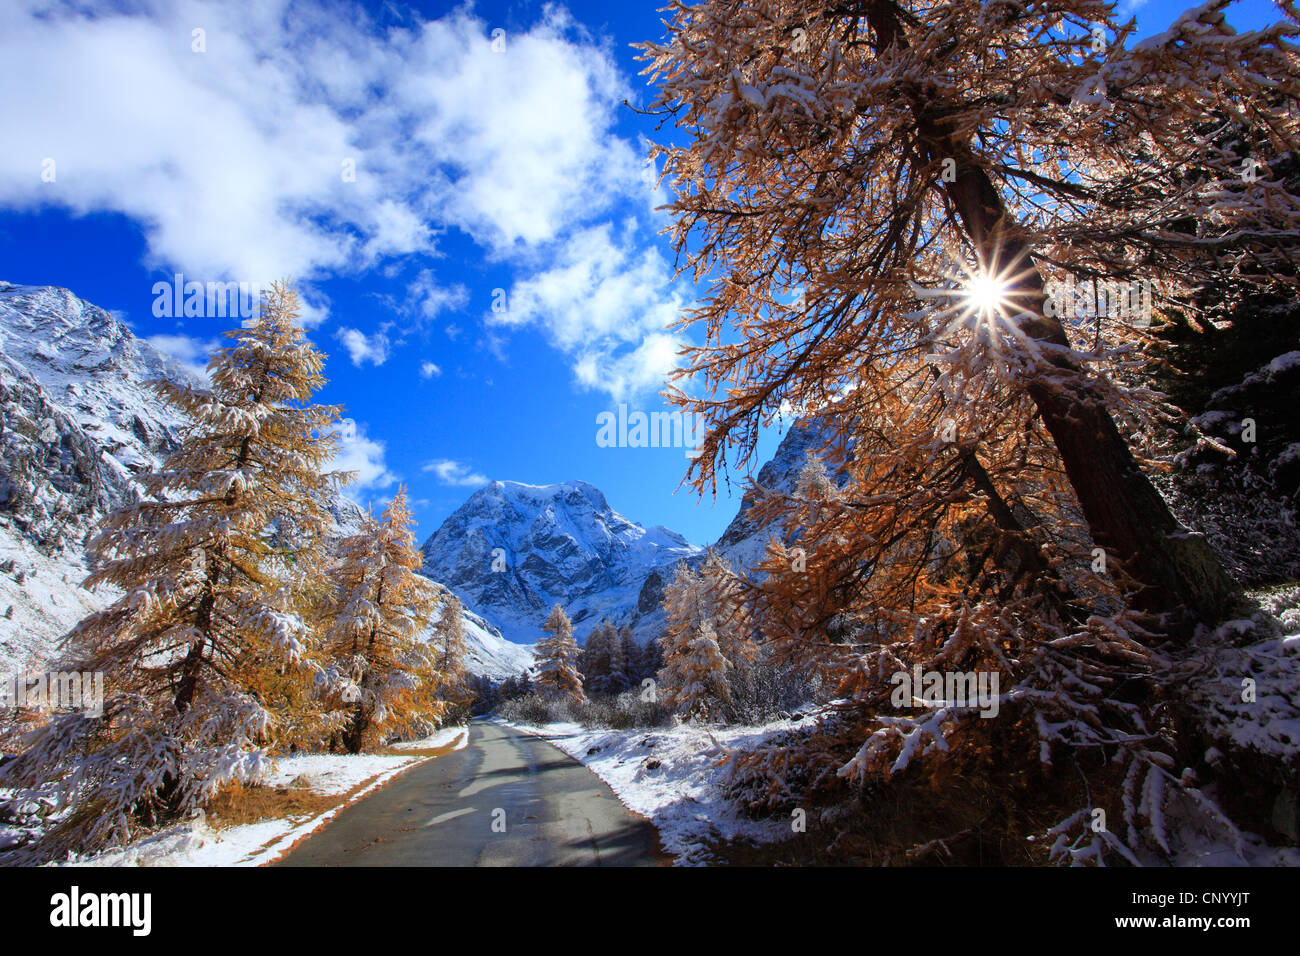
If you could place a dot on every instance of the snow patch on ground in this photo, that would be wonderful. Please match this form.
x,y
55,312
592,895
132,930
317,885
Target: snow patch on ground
x,y
673,776
255,844
1250,691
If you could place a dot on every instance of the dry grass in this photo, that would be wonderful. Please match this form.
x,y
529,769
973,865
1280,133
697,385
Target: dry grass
x,y
239,804
415,751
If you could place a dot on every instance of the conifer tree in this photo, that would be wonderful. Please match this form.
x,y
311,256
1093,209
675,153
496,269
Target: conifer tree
x,y
454,683
600,658
694,678
629,660
710,595
383,672
450,637
212,563
894,182
889,197
695,675
723,594
558,678
649,661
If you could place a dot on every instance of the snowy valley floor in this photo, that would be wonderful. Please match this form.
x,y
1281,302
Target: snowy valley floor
x,y
341,780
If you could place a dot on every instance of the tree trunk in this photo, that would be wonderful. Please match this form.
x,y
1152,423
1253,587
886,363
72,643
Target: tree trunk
x,y
193,663
1127,517
169,794
354,737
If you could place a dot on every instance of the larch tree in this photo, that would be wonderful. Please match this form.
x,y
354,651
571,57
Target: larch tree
x,y
212,563
901,572
694,677
454,685
698,660
383,675
450,636
887,181
557,677
887,198
728,612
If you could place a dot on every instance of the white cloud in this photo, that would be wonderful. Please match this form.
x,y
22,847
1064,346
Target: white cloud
x,y
309,141
429,370
630,372
361,454
429,299
187,350
364,348
239,161
315,307
606,304
454,473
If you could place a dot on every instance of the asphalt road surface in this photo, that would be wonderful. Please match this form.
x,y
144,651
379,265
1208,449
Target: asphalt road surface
x,y
505,799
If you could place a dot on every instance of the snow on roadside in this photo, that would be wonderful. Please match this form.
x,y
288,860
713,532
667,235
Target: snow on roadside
x,y
674,776
255,844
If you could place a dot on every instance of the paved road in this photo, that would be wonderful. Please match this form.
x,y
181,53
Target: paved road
x,y
448,812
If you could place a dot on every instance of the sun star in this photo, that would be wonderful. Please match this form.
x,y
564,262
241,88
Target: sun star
x,y
985,294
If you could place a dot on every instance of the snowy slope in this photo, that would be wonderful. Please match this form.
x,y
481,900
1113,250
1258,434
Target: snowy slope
x,y
77,424
550,543
487,653
77,427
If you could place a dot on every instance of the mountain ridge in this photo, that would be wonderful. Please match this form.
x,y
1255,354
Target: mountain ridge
x,y
513,550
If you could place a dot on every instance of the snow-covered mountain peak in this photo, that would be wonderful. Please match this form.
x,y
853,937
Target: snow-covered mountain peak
x,y
512,550
51,327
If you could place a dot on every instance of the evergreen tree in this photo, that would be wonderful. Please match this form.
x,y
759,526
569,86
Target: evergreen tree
x,y
515,686
558,678
212,564
650,661
599,660
384,674
628,672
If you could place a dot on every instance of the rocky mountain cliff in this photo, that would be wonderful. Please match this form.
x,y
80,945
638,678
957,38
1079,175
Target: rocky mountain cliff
x,y
513,550
744,540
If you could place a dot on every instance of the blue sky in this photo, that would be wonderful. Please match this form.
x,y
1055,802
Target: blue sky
x,y
514,168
